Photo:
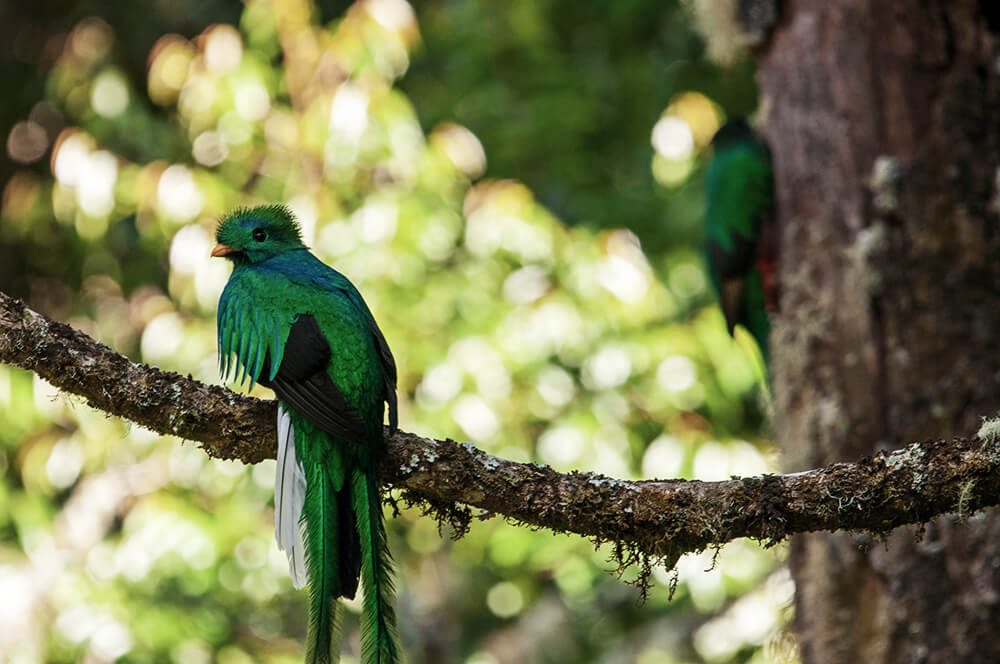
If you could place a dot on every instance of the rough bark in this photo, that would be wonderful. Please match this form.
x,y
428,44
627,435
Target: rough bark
x,y
883,121
650,520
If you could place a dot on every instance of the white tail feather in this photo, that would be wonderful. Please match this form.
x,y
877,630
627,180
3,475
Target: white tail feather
x,y
289,497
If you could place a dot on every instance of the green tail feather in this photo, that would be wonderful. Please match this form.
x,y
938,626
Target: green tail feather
x,y
755,316
322,561
378,618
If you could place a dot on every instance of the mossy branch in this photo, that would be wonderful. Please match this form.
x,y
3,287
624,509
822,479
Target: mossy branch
x,y
648,520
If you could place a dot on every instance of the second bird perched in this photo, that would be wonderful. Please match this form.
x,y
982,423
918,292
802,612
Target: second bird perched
x,y
739,231
301,328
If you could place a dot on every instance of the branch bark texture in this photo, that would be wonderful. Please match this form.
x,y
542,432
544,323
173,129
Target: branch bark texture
x,y
658,519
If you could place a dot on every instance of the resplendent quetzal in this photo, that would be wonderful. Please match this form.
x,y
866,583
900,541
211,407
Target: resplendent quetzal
x,y
301,328
739,230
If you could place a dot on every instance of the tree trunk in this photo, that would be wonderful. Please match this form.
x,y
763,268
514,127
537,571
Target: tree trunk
x,y
884,118
885,124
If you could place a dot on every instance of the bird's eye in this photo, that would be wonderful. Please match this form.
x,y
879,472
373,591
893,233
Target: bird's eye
x,y
259,235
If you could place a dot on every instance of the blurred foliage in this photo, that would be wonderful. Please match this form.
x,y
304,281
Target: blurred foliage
x,y
563,97
484,172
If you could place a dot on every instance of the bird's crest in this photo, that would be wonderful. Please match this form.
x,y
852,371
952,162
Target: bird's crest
x,y
278,217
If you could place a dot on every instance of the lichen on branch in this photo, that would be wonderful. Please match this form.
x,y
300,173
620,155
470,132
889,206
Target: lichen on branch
x,y
648,521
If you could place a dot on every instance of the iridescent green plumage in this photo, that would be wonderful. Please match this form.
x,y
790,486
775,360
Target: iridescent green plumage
x,y
739,239
290,322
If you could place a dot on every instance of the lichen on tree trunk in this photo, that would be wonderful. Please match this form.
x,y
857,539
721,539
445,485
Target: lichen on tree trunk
x,y
885,124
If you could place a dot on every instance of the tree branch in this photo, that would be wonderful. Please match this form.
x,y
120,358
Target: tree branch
x,y
659,519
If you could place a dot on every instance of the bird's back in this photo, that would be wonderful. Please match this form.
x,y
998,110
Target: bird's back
x,y
739,191
306,285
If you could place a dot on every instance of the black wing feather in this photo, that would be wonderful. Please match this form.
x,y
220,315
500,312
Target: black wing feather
x,y
735,261
388,373
349,543
303,384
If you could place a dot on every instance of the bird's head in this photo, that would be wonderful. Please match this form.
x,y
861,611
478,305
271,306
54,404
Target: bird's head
x,y
735,130
252,235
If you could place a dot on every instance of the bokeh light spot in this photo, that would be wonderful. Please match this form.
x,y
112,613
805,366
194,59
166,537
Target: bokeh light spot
x,y
223,48
376,221
64,463
505,599
349,111
556,386
561,445
669,172
109,95
672,138
111,640
192,651
476,418
609,367
441,384
234,128
190,247
462,147
27,142
437,242
392,14
526,285
169,63
664,457
162,337
70,156
699,113
91,38
711,462
624,272
209,149
622,278
687,279
676,373
178,195
198,95
338,238
96,184
252,100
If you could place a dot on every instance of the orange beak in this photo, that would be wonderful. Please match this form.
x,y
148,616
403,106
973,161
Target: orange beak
x,y
223,250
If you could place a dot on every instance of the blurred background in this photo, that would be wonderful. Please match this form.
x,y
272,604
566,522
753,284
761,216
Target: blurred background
x,y
516,189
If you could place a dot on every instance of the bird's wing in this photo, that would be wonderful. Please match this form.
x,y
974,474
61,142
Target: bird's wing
x,y
739,185
302,382
305,270
335,281
733,256
388,364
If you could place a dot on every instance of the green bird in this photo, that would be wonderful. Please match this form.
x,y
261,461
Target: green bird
x,y
739,231
299,327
